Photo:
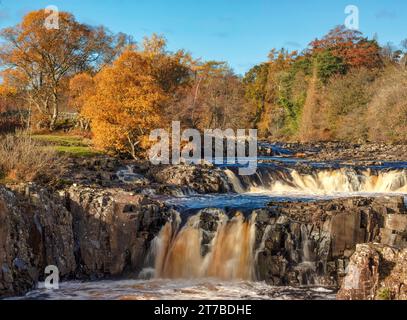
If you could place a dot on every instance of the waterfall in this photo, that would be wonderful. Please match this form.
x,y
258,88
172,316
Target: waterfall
x,y
320,181
234,181
179,254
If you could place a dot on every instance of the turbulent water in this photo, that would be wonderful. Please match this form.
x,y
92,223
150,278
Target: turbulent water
x,y
198,289
320,182
178,255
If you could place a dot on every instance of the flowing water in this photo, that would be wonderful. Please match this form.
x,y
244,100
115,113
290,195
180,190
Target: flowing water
x,y
161,289
178,255
186,261
320,182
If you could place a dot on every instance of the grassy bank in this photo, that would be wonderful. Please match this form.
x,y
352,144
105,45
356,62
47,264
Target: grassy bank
x,y
72,146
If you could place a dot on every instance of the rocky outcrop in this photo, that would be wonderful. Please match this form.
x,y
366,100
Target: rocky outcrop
x,y
35,231
311,242
87,233
113,230
200,179
376,272
143,177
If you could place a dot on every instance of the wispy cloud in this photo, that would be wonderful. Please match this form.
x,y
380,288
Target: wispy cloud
x,y
293,44
386,14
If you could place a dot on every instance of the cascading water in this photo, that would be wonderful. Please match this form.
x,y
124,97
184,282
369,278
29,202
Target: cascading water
x,y
179,252
320,182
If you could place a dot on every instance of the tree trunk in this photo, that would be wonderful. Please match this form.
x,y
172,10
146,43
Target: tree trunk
x,y
55,112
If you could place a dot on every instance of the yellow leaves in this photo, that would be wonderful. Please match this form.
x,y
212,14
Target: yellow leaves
x,y
81,88
44,59
126,103
7,90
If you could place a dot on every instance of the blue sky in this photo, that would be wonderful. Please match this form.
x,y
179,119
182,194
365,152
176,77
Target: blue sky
x,y
241,32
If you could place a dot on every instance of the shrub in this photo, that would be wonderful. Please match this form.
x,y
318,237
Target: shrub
x,y
23,159
347,98
387,115
384,294
10,122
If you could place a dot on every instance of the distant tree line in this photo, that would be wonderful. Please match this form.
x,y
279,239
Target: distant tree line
x,y
342,87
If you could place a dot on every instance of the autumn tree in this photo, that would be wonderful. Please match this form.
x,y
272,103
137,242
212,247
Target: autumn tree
x,y
215,98
255,81
277,105
37,61
224,102
171,70
81,88
349,45
192,108
126,104
12,115
387,109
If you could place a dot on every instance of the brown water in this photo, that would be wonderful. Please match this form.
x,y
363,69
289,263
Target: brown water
x,y
198,289
230,257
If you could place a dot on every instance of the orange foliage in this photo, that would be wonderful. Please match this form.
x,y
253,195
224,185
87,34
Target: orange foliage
x,y
351,46
125,105
81,88
38,61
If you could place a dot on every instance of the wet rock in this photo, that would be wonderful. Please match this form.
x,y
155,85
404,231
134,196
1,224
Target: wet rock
x,y
129,176
113,230
209,223
311,243
376,272
201,179
35,231
344,151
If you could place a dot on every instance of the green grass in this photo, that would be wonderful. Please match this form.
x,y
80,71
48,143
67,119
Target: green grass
x,y
62,140
72,146
76,151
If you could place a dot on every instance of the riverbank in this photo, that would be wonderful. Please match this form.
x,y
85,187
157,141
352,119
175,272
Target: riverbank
x,y
339,151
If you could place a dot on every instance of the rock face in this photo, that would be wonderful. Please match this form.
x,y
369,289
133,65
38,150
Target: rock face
x,y
35,231
311,243
142,177
87,233
376,272
113,230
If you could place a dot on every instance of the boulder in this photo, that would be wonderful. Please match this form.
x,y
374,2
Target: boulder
x,y
200,179
375,272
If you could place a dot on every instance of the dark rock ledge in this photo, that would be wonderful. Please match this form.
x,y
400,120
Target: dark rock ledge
x,y
87,233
